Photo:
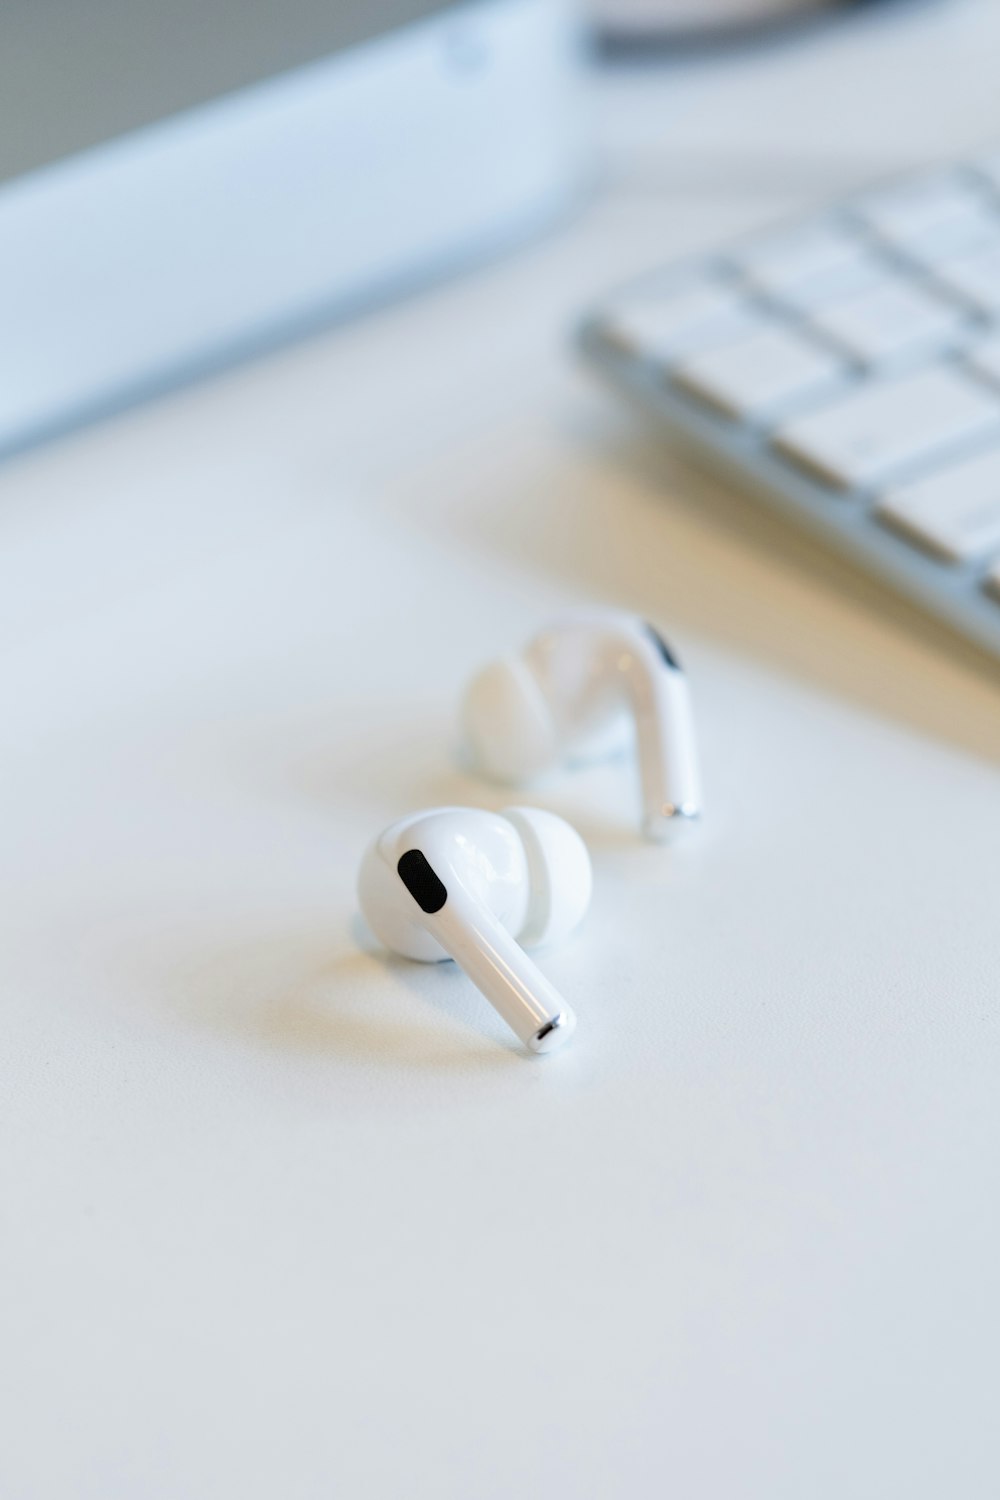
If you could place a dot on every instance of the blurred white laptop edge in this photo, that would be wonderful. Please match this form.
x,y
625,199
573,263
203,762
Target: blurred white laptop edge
x,y
172,248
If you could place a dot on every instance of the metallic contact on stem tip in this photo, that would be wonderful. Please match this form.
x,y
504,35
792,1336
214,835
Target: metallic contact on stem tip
x,y
670,820
554,1033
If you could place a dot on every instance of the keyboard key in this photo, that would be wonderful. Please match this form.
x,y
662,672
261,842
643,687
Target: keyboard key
x,y
805,267
846,280
955,513
957,237
891,322
975,277
689,315
760,375
984,359
882,428
925,213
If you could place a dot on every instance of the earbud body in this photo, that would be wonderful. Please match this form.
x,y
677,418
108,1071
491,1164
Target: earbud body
x,y
463,883
582,689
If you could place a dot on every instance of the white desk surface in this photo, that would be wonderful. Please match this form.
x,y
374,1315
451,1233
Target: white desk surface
x,y
282,1218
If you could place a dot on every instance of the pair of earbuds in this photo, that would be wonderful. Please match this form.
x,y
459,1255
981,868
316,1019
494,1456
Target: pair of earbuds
x,y
480,887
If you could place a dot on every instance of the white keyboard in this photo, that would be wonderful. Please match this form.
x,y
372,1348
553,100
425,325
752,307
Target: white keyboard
x,y
847,367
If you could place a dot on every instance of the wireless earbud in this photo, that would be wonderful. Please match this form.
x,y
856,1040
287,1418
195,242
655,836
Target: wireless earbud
x,y
579,691
461,883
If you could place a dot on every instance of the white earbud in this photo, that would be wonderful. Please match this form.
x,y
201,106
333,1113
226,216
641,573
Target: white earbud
x,y
461,883
578,691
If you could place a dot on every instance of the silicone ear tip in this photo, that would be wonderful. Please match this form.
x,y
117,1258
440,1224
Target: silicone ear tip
x,y
559,874
507,722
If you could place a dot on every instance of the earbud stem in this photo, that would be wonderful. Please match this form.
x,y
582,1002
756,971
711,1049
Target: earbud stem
x,y
499,967
668,756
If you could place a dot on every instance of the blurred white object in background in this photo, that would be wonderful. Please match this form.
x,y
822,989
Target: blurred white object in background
x,y
636,18
169,207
